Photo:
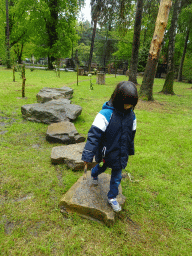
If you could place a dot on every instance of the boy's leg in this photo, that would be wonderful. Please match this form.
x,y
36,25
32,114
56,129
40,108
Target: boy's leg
x,y
114,183
98,170
114,189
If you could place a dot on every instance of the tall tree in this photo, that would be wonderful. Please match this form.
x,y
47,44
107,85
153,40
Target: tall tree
x,y
168,85
107,20
54,30
8,60
51,28
146,90
96,9
180,76
48,24
136,42
20,26
185,23
109,13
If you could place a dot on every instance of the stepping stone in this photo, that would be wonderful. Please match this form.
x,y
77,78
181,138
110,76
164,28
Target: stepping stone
x,y
90,201
53,111
63,132
70,155
47,94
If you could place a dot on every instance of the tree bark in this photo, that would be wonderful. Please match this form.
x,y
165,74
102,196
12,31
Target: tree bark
x,y
19,53
136,43
8,60
92,44
51,27
183,57
23,81
146,90
109,46
169,80
100,78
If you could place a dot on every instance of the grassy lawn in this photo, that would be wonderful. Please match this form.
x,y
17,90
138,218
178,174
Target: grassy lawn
x,y
157,217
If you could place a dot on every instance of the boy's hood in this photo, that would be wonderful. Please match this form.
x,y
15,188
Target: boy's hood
x,y
107,105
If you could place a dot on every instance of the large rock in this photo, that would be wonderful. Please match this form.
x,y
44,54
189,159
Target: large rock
x,y
51,112
47,94
91,201
63,132
70,155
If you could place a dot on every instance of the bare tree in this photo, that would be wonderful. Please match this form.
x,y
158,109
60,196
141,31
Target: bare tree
x,y
168,85
146,90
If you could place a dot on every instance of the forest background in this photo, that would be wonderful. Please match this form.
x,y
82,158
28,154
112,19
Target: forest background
x,y
51,30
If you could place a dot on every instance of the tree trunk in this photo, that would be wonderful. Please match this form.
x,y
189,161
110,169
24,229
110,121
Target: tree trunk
x,y
23,81
136,43
109,47
146,90
51,59
183,57
19,53
13,73
51,27
168,85
8,60
92,44
100,78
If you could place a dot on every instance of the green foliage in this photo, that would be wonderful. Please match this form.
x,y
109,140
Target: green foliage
x,y
125,46
150,11
40,28
84,32
54,37
83,53
184,23
2,32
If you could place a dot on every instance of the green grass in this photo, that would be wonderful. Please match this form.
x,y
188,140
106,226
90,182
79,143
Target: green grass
x,y
157,218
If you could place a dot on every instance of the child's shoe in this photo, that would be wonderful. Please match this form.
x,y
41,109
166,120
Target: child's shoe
x,y
94,180
114,204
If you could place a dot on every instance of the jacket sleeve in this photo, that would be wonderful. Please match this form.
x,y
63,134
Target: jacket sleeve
x,y
95,134
92,144
132,149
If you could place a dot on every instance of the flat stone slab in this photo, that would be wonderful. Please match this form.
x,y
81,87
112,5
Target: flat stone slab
x,y
90,201
47,94
70,155
51,112
63,132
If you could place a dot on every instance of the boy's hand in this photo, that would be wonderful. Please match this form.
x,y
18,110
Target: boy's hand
x,y
85,171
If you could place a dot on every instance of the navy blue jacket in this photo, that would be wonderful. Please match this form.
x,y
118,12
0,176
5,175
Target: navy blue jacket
x,y
111,137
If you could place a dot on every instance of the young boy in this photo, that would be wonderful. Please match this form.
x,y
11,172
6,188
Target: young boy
x,y
111,137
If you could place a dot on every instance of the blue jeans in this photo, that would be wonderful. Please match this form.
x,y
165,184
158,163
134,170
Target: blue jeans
x,y
114,182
